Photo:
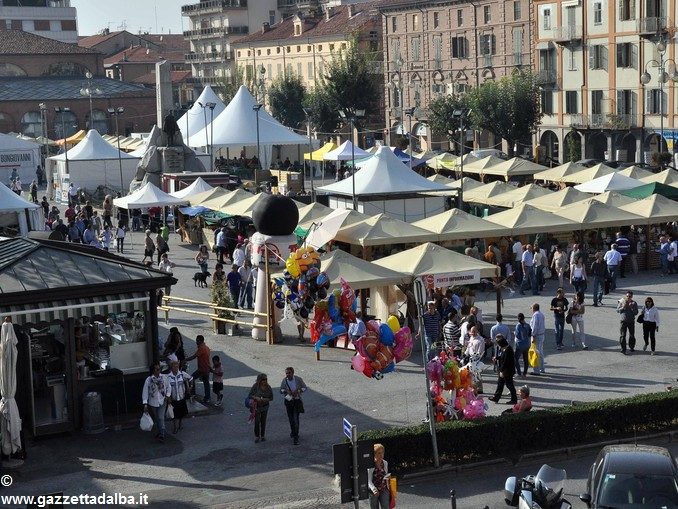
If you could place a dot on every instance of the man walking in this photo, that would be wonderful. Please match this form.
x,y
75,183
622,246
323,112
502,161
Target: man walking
x,y
220,242
431,326
234,279
529,278
624,248
538,326
291,388
204,365
559,305
628,309
613,258
245,285
517,249
506,368
664,254
499,329
599,273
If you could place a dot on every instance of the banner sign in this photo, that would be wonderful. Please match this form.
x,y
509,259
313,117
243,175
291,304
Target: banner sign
x,y
445,280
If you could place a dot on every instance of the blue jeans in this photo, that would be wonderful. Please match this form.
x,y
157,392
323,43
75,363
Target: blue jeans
x,y
429,343
245,294
598,287
579,284
560,328
612,272
529,281
521,353
158,416
380,501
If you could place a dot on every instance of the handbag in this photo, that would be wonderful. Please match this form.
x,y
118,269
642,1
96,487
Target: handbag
x,y
248,402
169,412
533,355
641,316
393,489
146,422
299,406
568,317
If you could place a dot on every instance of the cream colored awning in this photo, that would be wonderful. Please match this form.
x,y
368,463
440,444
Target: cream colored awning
x,y
352,217
198,199
655,208
514,167
557,173
482,194
559,199
599,170
525,219
481,165
592,213
456,224
636,173
358,272
614,199
432,259
312,212
518,195
668,177
223,200
381,230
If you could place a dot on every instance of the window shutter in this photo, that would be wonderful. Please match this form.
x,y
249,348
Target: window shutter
x,y
603,56
494,44
465,47
620,102
621,10
665,100
634,56
483,45
620,55
632,9
592,57
648,100
634,103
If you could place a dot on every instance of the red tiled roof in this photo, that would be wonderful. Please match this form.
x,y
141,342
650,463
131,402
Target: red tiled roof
x,y
170,42
338,24
89,41
141,54
176,77
18,42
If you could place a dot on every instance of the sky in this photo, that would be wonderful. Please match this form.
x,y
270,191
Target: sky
x,y
138,15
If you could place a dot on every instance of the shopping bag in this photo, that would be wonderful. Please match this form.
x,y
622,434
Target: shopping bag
x,y
146,422
393,488
169,413
533,355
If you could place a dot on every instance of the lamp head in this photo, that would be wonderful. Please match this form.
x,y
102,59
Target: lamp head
x,y
661,46
645,78
663,76
88,75
111,111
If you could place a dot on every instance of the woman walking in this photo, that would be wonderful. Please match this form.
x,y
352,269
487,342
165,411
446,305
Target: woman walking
x,y
149,248
577,311
120,238
378,480
108,210
179,382
154,396
559,264
650,316
578,275
261,395
202,258
162,246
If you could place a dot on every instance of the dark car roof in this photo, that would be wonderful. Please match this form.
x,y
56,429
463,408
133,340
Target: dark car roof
x,y
645,459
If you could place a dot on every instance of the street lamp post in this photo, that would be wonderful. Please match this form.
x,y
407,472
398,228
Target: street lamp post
x,y
462,115
43,128
209,140
61,111
663,77
204,115
88,91
352,116
116,112
307,112
256,109
409,112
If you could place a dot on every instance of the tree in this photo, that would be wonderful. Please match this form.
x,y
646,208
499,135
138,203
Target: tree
x,y
441,117
286,95
509,108
324,116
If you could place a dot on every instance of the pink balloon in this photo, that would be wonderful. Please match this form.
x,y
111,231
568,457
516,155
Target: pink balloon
x,y
373,325
403,344
358,363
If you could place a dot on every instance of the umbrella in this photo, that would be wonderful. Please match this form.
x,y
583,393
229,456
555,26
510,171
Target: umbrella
x,y
327,228
10,421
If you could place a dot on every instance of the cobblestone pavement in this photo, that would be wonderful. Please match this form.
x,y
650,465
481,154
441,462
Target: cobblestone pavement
x,y
214,461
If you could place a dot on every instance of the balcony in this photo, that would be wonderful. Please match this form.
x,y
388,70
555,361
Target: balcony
x,y
487,60
213,56
214,32
207,80
296,5
212,7
568,34
648,27
547,76
610,121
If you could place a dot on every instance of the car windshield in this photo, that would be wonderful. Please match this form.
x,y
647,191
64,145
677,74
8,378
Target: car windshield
x,y
628,491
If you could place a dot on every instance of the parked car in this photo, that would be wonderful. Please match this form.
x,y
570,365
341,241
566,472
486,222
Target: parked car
x,y
630,476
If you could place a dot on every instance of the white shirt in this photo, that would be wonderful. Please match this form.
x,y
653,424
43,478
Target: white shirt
x,y
612,257
239,257
155,390
517,250
245,274
72,191
651,314
166,266
178,384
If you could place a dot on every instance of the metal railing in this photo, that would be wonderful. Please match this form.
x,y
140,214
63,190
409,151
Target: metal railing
x,y
212,6
214,56
546,76
604,120
567,33
299,4
653,25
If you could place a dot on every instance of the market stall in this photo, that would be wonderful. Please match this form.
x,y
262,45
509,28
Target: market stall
x,y
554,201
197,187
525,219
668,177
558,173
518,195
20,155
455,224
587,174
381,230
610,182
18,215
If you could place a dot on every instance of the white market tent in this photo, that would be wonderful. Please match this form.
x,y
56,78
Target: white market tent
x,y
236,126
14,209
197,186
20,154
91,163
609,182
197,119
343,153
385,185
148,196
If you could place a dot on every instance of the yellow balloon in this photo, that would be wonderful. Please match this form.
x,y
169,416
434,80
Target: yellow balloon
x,y
292,267
393,323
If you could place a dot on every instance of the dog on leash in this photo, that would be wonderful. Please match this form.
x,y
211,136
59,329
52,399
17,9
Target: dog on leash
x,y
200,279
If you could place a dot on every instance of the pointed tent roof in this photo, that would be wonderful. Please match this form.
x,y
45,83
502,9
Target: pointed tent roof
x,y
455,224
440,179
12,202
667,177
588,174
313,211
526,219
646,190
636,173
481,194
319,155
93,148
444,160
514,167
614,199
405,158
554,201
8,142
73,139
430,258
352,217
483,164
199,199
197,186
343,153
592,213
360,273
557,173
222,200
148,196
609,182
655,208
381,230
518,195
237,126
468,183
194,119
383,174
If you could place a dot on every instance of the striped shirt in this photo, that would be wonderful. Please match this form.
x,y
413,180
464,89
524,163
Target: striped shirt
x,y
431,325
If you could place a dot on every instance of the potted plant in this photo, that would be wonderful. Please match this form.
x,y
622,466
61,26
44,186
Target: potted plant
x,y
221,297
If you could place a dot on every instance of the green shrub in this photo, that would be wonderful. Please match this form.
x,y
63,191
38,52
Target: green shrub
x,y
510,436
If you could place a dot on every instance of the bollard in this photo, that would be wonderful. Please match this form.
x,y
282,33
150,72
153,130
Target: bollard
x,y
453,499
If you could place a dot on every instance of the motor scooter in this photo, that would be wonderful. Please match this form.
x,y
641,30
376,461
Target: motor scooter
x,y
541,491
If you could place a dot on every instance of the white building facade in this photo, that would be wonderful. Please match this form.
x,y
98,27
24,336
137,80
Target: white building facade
x,y
55,19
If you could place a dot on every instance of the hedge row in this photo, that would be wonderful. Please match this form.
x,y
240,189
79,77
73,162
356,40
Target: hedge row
x,y
510,436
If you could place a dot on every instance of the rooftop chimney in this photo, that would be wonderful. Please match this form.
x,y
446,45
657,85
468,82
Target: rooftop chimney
x,y
265,27
328,13
350,10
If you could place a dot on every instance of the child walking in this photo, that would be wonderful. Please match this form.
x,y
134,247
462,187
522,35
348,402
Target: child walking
x,y
217,378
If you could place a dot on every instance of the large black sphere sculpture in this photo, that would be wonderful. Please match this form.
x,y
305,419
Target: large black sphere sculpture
x,y
275,214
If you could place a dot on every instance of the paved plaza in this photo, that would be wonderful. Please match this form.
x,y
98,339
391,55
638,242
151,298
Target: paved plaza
x,y
214,461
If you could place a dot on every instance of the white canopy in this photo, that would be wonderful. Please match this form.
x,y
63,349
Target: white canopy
x,y
343,153
12,203
20,154
93,148
609,182
383,174
148,196
236,126
198,186
196,119
10,420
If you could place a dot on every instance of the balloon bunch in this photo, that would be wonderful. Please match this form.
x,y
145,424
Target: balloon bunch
x,y
471,406
381,347
302,284
333,316
446,374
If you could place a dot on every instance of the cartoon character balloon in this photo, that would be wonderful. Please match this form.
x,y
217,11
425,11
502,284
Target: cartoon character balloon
x,y
380,348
